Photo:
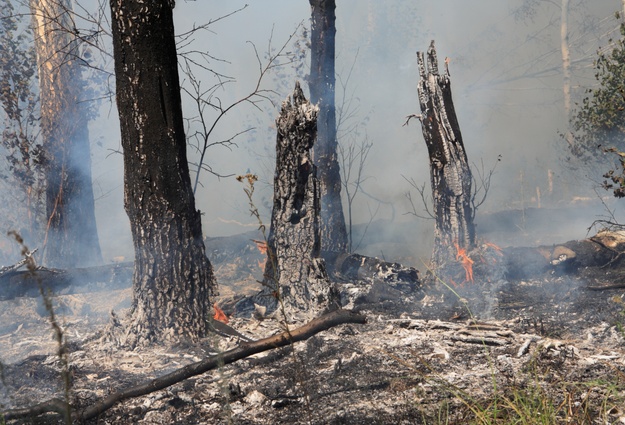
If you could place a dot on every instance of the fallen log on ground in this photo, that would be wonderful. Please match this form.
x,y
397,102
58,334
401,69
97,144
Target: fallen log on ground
x,y
14,284
604,250
320,324
361,267
376,280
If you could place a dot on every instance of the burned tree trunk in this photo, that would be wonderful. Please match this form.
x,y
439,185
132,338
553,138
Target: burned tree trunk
x,y
294,273
71,236
322,83
173,280
449,169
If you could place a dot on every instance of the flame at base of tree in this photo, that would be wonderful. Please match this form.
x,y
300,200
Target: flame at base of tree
x,y
496,248
219,314
482,264
467,263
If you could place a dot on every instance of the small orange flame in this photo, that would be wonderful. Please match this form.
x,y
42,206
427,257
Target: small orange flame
x,y
456,285
261,245
466,262
493,246
219,314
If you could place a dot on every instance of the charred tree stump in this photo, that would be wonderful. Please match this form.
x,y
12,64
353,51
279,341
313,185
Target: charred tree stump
x,y
449,168
294,273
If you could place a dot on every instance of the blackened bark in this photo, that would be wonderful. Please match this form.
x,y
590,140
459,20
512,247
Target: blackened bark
x,y
322,89
173,280
449,169
294,272
71,233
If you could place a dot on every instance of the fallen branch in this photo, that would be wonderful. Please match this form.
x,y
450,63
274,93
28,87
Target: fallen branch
x,y
605,287
16,266
15,283
244,350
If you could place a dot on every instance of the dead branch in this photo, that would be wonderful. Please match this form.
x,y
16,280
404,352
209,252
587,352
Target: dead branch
x,y
481,187
411,116
605,287
425,200
317,325
19,264
204,99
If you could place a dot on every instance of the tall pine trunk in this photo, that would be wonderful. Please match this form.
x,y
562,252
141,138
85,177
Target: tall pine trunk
x,y
173,280
449,168
71,234
322,91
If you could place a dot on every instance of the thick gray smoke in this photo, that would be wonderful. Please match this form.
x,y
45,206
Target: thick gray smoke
x,y
506,70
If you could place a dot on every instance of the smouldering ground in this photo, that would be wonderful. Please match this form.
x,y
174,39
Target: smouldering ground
x,y
548,346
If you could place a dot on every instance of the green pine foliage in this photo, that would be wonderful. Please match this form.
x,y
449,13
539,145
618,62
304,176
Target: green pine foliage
x,y
21,153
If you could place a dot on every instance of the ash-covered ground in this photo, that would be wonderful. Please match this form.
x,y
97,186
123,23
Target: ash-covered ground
x,y
550,344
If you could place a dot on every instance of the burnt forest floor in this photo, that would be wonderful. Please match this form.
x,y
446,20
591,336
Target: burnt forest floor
x,y
550,349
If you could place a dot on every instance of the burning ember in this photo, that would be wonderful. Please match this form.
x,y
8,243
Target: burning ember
x,y
494,247
219,314
261,245
466,262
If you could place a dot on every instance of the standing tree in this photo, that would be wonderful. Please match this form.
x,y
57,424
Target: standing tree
x,y
322,89
173,280
526,11
71,234
449,169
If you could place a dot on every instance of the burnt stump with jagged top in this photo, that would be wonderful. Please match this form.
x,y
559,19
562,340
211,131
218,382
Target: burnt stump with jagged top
x,y
294,272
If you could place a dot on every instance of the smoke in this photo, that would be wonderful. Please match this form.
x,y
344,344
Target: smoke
x,y
506,81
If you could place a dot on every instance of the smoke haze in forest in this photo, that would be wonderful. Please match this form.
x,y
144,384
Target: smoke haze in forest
x,y
506,72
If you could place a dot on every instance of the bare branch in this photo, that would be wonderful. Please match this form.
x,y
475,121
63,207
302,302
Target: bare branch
x,y
208,97
346,111
372,215
481,187
411,116
183,37
425,200
353,159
